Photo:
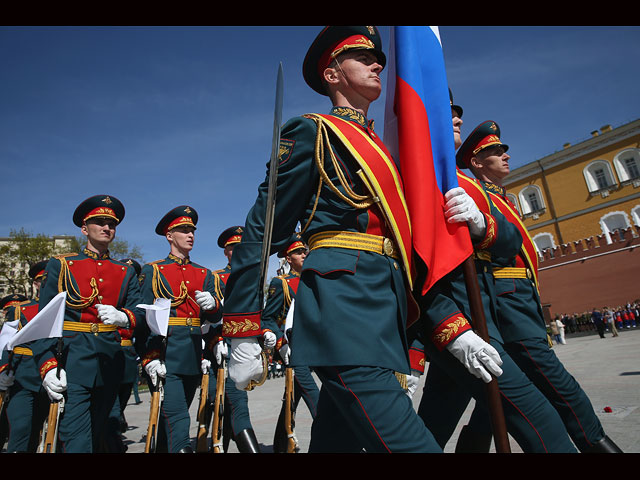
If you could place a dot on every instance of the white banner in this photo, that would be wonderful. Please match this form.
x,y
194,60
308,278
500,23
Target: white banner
x,y
158,315
46,324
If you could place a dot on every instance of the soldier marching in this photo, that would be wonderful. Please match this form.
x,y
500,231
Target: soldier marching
x,y
349,263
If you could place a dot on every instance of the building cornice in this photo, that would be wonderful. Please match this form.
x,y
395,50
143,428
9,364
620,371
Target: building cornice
x,y
601,141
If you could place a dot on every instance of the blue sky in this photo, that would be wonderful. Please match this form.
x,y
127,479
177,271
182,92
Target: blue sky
x,y
165,116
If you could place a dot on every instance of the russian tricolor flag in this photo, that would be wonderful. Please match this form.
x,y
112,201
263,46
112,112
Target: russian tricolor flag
x,y
419,134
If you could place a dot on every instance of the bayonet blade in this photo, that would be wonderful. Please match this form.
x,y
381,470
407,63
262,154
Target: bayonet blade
x,y
273,180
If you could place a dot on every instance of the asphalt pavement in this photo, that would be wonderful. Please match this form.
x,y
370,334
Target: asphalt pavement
x,y
607,369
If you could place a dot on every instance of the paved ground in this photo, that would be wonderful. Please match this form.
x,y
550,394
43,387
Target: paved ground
x,y
608,370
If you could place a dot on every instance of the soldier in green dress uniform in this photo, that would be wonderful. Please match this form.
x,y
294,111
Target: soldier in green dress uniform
x,y
447,324
194,301
102,294
338,181
519,311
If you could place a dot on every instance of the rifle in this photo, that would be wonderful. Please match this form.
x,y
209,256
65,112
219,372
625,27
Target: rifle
x,y
289,412
218,410
50,433
203,417
157,396
496,412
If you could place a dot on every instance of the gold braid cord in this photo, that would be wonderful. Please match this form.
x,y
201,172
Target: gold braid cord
x,y
160,291
74,299
351,198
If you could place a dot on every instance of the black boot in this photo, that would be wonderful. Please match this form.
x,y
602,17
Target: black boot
x,y
471,441
247,442
187,449
605,445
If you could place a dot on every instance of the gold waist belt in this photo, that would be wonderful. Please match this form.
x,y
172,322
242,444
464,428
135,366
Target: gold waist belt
x,y
511,272
88,327
482,255
355,241
22,351
185,321
126,343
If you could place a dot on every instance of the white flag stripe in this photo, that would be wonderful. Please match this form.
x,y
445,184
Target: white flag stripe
x,y
7,333
46,324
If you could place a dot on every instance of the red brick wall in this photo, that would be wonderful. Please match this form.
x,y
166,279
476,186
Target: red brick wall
x,y
606,275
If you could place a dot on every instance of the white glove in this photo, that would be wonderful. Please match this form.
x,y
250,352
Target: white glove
x,y
53,385
412,382
270,339
220,350
6,380
205,365
205,300
245,361
155,369
285,353
479,357
460,207
110,315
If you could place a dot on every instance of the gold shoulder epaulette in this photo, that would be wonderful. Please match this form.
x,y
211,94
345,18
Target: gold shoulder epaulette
x,y
155,261
64,255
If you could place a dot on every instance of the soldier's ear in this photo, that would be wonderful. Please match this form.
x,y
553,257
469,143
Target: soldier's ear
x,y
83,229
474,162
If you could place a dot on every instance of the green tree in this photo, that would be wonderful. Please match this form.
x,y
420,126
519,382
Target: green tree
x,y
21,252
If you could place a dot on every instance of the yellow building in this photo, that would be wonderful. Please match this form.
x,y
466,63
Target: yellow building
x,y
585,190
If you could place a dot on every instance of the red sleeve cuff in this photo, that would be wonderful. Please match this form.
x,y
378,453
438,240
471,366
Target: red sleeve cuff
x,y
417,359
46,366
241,325
449,330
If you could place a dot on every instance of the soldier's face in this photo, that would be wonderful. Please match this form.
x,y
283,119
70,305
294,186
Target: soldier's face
x,y
99,231
360,74
182,238
296,259
457,123
493,162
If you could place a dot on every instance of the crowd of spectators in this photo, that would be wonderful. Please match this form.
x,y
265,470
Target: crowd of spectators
x,y
606,319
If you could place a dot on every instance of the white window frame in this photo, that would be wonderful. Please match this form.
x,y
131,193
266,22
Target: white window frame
x,y
592,183
545,235
616,213
619,162
523,196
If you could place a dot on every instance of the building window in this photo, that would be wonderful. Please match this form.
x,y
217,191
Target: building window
x,y
631,166
613,223
544,241
531,201
599,178
627,165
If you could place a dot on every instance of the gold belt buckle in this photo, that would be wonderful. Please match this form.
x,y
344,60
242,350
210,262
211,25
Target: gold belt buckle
x,y
94,328
529,274
189,322
387,247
